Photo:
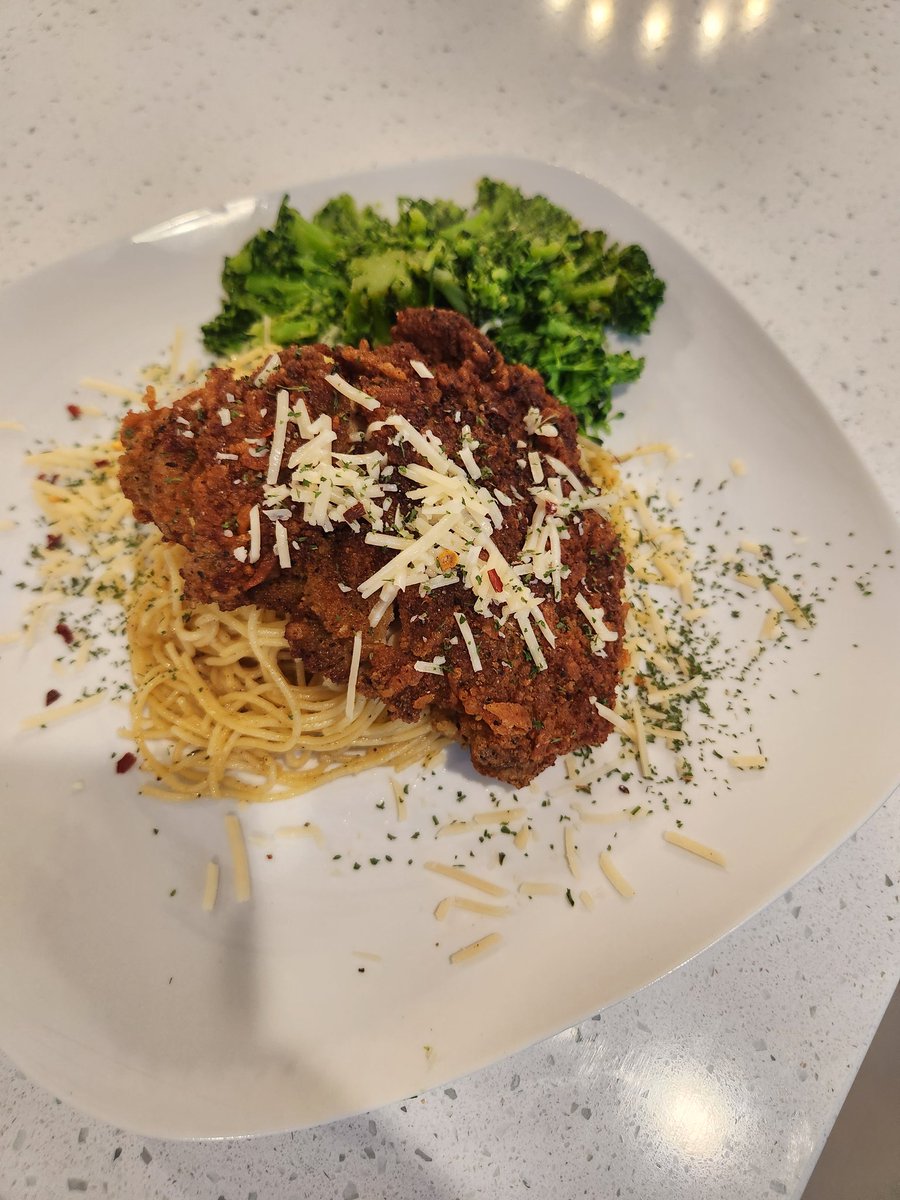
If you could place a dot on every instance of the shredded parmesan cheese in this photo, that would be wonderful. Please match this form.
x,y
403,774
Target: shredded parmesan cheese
x,y
468,640
60,712
602,633
540,889
430,667
352,393
472,906
748,580
111,389
614,719
654,695
350,706
531,642
460,875
770,626
498,816
792,609
571,852
282,549
455,827
307,830
420,369
210,886
240,866
399,798
272,364
278,436
606,818
640,740
747,762
678,839
467,458
255,540
475,948
614,875
646,451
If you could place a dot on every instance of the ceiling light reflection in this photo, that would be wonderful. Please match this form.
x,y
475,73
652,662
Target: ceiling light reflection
x,y
600,17
712,26
692,1113
656,26
755,12
557,5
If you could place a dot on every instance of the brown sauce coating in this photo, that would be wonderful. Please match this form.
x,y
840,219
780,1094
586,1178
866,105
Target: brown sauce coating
x,y
515,719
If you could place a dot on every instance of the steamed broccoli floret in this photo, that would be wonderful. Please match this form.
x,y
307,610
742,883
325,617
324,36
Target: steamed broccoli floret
x,y
519,265
381,284
289,272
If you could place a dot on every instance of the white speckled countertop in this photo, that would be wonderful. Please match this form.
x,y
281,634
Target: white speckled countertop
x,y
763,134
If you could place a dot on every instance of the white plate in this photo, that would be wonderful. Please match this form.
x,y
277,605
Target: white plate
x,y
138,1007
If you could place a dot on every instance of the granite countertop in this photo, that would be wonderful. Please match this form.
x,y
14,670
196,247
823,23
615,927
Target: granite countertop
x,y
760,133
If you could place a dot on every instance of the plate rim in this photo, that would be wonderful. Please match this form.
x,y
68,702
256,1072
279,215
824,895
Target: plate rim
x,y
497,163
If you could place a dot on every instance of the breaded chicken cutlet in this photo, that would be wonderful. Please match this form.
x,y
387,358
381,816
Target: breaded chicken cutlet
x,y
422,501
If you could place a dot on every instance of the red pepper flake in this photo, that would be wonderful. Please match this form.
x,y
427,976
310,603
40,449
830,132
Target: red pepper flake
x,y
624,790
101,462
354,513
270,856
65,633
47,478
496,582
125,763
74,411
54,541
51,698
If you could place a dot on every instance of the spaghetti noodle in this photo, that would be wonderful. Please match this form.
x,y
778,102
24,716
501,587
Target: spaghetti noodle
x,y
220,708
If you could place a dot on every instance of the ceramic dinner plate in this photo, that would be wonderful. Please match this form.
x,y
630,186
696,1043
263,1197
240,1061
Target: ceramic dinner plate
x,y
331,990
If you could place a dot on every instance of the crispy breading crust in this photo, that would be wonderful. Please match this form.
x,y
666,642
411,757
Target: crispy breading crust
x,y
515,719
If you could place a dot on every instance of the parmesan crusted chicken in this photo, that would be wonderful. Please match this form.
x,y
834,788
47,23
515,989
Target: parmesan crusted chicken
x,y
421,503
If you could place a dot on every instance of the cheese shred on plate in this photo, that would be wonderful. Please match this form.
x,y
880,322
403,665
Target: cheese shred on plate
x,y
615,876
210,886
571,852
466,905
238,850
461,875
60,712
674,838
747,762
792,609
474,949
540,888
399,798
